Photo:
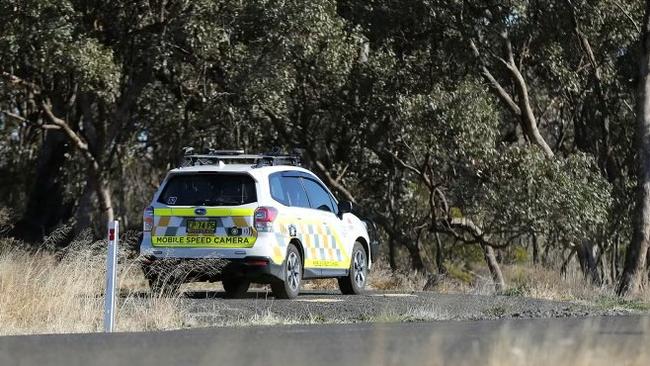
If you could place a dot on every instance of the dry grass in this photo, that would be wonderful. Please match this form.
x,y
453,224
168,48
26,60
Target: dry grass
x,y
542,283
267,317
521,280
420,313
40,294
383,278
380,278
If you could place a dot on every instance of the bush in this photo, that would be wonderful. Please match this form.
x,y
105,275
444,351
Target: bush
x,y
6,221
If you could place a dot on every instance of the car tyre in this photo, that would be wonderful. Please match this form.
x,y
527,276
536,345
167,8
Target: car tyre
x,y
292,270
355,282
235,287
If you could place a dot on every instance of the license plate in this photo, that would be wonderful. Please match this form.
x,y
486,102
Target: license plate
x,y
201,226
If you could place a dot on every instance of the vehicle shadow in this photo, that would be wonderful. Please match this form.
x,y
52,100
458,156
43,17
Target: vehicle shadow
x,y
249,295
211,294
222,295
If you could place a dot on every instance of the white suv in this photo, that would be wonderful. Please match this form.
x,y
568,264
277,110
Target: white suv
x,y
264,218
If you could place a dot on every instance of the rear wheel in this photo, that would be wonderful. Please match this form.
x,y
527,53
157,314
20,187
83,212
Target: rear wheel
x,y
290,287
235,287
355,282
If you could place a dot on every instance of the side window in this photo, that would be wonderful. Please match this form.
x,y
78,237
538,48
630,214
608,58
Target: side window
x,y
277,190
319,198
294,192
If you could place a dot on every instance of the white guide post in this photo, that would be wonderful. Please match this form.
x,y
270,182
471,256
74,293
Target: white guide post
x,y
111,275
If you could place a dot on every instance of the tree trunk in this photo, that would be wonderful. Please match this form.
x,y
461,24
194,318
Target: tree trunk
x,y
84,209
105,200
634,270
440,256
392,261
493,265
588,262
45,207
615,261
566,262
535,249
419,258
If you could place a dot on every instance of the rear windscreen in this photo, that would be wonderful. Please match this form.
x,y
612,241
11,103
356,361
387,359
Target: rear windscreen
x,y
209,189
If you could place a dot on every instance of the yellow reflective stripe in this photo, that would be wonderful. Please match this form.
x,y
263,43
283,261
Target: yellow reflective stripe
x,y
189,212
162,212
204,241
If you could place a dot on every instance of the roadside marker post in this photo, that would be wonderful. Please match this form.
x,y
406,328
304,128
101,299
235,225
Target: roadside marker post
x,y
111,275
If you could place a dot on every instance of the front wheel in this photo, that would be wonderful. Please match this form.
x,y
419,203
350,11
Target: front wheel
x,y
290,287
355,282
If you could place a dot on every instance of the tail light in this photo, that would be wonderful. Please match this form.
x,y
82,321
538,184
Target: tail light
x,y
257,262
264,217
147,219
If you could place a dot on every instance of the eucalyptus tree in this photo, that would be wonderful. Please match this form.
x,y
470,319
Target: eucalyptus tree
x,y
76,70
635,272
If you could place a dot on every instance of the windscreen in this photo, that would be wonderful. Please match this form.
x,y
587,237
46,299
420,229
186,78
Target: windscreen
x,y
209,189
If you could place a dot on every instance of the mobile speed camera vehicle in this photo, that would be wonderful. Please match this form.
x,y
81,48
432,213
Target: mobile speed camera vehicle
x,y
258,219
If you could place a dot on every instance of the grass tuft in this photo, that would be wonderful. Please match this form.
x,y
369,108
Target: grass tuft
x,y
42,294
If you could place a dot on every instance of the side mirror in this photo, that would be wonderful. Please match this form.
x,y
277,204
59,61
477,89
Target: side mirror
x,y
345,207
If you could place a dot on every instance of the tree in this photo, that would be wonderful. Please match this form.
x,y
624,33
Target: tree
x,y
463,128
634,274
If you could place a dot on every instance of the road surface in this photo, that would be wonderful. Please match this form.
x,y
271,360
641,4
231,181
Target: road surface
x,y
620,340
206,308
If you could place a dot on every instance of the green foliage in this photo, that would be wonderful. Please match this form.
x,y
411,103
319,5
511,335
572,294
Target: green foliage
x,y
455,127
387,98
94,65
564,198
519,283
458,273
610,302
519,255
515,291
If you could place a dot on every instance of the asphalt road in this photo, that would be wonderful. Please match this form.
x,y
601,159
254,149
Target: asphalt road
x,y
620,340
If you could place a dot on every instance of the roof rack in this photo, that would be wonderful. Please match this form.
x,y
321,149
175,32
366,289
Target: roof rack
x,y
220,157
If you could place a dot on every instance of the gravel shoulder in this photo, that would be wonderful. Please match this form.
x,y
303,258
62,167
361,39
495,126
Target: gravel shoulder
x,y
315,307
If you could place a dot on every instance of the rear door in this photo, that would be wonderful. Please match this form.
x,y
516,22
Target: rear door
x,y
328,249
206,210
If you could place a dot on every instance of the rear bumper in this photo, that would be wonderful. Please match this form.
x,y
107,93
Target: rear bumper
x,y
263,248
254,268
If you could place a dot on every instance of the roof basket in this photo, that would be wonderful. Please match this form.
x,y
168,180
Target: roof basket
x,y
220,157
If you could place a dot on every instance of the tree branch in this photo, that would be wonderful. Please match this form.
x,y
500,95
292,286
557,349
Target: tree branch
x,y
501,92
17,81
332,182
527,114
417,171
77,140
627,15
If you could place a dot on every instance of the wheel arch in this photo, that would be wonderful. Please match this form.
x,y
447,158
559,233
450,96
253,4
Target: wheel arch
x,y
366,247
296,242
